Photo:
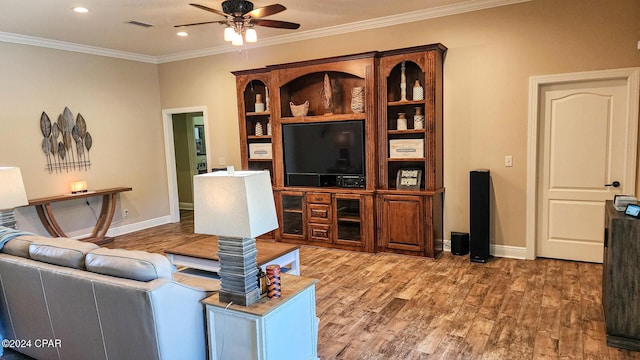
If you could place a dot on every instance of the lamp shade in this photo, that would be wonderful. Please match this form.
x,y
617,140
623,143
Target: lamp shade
x,y
12,193
237,205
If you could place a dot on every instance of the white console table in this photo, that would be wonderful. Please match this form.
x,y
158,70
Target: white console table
x,y
269,329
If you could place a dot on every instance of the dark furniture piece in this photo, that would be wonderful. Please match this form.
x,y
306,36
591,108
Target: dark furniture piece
x,y
480,215
621,279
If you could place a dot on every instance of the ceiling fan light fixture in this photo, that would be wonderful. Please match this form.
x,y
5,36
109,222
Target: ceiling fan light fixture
x,y
229,33
237,40
251,36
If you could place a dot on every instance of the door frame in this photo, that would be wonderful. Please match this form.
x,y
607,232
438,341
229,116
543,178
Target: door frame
x,y
632,79
170,156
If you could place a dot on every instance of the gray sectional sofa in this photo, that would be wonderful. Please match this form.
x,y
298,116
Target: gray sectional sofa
x,y
66,299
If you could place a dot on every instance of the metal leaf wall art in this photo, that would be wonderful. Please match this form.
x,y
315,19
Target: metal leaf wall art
x,y
66,143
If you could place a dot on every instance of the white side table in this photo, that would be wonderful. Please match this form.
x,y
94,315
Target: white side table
x,y
269,329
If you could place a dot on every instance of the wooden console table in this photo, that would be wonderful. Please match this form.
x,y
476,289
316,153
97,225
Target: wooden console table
x,y
109,198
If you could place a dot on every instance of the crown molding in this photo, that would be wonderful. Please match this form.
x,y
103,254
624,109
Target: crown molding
x,y
399,19
67,46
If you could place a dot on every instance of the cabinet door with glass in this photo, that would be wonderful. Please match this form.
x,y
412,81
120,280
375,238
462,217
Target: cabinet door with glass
x,y
351,227
292,210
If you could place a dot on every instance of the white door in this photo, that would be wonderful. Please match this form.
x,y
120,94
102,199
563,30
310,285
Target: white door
x,y
587,151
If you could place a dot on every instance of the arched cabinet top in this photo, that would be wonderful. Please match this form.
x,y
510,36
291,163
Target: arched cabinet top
x,y
355,65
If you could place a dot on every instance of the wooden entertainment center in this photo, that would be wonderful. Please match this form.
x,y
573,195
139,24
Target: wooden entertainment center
x,y
363,209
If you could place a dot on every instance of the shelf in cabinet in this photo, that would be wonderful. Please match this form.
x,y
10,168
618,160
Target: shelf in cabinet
x,y
408,102
254,137
349,218
261,160
406,159
297,211
261,113
408,131
319,118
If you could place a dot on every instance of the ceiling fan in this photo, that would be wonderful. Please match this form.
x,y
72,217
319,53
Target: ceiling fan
x,y
241,17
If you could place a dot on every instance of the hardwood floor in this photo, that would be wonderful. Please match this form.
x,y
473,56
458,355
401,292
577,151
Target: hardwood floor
x,y
385,306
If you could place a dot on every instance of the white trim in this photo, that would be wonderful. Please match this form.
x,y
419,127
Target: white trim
x,y
86,49
632,77
505,251
185,206
170,157
399,19
129,228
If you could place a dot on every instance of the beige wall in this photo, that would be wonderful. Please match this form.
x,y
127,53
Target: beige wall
x,y
492,54
120,101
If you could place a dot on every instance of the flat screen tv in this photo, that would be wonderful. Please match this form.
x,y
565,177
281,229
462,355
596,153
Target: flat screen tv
x,y
323,153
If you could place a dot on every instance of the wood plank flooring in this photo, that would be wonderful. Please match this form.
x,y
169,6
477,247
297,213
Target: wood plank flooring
x,y
385,306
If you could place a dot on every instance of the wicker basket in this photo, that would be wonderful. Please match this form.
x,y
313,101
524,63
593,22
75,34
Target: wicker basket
x,y
299,110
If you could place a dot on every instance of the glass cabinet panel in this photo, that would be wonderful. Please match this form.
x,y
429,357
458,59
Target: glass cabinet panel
x,y
348,219
292,214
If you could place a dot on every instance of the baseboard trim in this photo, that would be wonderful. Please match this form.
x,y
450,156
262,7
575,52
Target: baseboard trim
x,y
128,228
185,206
505,251
142,225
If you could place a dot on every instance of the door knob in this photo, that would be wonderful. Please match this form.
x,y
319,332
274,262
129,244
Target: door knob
x,y
615,184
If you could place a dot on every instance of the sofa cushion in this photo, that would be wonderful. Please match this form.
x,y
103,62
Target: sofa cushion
x,y
61,251
129,264
19,246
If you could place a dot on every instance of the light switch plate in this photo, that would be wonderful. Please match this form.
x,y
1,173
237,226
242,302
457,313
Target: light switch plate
x,y
508,161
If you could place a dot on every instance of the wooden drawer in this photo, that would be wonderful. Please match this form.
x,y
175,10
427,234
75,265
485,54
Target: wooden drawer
x,y
318,198
319,213
320,232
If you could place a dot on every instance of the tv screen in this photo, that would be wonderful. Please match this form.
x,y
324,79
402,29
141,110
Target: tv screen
x,y
324,148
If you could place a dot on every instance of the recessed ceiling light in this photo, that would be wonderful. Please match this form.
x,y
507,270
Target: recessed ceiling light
x,y
81,9
182,33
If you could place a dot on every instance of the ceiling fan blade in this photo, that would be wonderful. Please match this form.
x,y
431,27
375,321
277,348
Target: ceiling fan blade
x,y
205,8
200,23
275,24
265,11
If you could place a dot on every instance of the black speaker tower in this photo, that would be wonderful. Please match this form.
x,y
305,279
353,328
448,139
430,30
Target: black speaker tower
x,y
479,211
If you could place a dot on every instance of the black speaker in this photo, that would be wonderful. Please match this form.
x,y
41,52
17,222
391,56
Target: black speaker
x,y
459,243
479,211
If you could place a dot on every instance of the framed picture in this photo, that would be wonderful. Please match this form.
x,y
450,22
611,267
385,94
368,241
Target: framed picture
x,y
408,179
199,136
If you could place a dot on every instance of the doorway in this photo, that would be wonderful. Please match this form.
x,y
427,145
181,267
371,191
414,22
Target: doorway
x,y
583,130
186,139
190,154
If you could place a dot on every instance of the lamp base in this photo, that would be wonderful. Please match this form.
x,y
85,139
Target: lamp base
x,y
244,299
7,219
238,271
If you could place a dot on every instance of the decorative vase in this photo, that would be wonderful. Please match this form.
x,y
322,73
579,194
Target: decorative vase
x,y
299,110
274,288
418,91
418,119
327,95
259,103
266,98
403,82
259,131
402,122
357,99
269,127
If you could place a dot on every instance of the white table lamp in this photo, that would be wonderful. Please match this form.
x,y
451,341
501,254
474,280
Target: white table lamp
x,y
12,195
237,207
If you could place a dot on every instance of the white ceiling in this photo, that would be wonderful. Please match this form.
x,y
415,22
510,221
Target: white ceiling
x,y
106,27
